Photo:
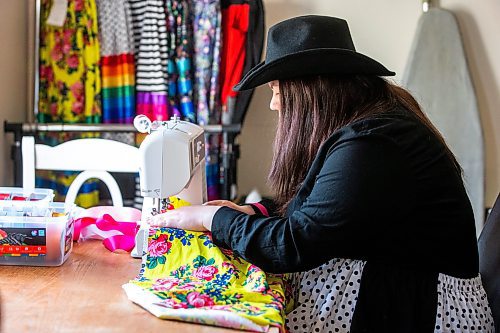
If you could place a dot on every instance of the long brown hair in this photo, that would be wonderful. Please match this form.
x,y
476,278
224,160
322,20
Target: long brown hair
x,y
312,108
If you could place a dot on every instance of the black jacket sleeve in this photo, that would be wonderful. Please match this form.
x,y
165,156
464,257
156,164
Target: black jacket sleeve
x,y
360,190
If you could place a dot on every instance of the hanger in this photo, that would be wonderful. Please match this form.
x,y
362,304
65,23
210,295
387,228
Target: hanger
x,y
425,5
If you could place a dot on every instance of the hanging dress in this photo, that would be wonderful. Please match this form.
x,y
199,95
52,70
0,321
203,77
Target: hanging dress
x,y
70,84
235,22
207,23
207,43
180,88
150,42
117,61
253,53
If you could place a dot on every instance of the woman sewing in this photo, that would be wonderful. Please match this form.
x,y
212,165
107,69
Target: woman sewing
x,y
370,213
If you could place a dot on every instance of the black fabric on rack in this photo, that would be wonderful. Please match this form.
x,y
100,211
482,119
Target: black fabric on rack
x,y
227,3
254,45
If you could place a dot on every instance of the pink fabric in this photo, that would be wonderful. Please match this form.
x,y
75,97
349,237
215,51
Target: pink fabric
x,y
105,218
262,209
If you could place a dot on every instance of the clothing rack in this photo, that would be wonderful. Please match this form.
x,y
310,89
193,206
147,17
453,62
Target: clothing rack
x,y
229,153
229,150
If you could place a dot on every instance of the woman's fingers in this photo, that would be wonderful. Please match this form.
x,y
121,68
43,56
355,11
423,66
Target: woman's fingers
x,y
217,203
163,220
196,218
226,203
155,221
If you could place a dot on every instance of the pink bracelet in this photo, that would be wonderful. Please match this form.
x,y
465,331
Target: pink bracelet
x,y
262,209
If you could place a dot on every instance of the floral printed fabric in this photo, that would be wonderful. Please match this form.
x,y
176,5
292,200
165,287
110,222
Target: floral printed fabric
x,y
70,83
184,276
207,21
70,86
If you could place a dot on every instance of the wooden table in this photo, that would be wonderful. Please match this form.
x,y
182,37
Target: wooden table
x,y
82,295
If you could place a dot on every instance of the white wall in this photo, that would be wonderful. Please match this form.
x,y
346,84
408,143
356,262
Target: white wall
x,y
384,30
13,76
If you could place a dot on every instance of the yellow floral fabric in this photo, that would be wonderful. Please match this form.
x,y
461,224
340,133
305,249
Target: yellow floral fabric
x,y
70,83
183,272
70,86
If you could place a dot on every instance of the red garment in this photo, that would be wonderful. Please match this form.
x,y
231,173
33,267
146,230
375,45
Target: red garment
x,y
234,33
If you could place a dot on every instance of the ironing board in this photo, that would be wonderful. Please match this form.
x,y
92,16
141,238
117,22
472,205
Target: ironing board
x,y
438,76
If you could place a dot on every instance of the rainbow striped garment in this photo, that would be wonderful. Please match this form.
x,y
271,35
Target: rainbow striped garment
x,y
118,88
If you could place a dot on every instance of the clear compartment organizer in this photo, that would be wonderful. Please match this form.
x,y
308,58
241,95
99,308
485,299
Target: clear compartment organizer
x,y
35,231
15,195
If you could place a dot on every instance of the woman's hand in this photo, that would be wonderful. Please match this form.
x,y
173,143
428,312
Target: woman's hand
x,y
195,218
247,209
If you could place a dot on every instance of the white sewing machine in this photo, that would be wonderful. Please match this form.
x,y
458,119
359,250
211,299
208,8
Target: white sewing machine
x,y
172,162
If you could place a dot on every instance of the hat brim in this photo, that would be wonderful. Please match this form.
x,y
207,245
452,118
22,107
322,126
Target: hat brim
x,y
312,62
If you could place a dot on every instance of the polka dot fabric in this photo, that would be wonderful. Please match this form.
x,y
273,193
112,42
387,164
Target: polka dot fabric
x,y
326,297
462,306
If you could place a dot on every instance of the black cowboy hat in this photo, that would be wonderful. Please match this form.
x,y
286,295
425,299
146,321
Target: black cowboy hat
x,y
310,45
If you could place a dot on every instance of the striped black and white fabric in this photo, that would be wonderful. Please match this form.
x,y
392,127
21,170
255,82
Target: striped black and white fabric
x,y
150,40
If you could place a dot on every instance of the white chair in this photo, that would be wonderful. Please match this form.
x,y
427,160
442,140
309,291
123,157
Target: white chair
x,y
94,157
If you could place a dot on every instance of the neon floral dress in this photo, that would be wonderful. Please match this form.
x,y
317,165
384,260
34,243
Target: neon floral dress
x,y
70,86
70,83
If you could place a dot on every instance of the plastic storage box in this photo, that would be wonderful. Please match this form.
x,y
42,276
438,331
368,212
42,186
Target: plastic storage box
x,y
35,232
11,195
